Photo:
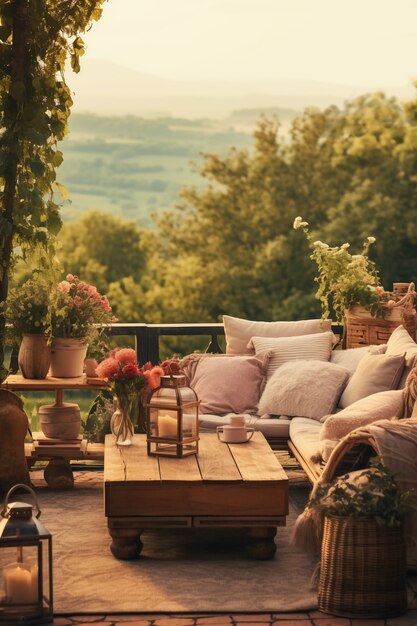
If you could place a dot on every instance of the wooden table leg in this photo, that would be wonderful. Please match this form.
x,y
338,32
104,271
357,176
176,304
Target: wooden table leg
x,y
260,543
126,544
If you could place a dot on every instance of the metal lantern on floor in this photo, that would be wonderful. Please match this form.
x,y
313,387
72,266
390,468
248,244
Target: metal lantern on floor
x,y
25,564
172,419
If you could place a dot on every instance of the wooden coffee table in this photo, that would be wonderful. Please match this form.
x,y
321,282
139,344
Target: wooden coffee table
x,y
225,485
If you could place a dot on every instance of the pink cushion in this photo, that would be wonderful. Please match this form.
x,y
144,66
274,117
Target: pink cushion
x,y
228,384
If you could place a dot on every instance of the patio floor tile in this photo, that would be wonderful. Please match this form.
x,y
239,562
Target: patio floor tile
x,y
174,621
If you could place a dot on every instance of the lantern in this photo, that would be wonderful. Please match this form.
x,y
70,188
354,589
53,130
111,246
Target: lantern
x,y
172,419
25,564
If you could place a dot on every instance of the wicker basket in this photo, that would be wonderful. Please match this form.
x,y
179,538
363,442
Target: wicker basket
x,y
363,569
362,329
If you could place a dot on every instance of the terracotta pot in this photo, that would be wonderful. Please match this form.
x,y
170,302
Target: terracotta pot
x,y
67,357
90,367
34,356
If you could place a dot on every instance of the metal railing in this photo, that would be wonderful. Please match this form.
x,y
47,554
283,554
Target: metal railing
x,y
147,336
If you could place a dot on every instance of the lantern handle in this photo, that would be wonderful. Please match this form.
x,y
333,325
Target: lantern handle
x,y
30,490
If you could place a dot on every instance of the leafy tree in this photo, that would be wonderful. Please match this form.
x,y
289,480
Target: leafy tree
x,y
36,38
102,249
230,248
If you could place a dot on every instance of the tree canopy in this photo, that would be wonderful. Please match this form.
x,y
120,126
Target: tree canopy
x,y
36,38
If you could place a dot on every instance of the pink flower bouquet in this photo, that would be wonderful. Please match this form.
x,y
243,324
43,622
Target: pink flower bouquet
x,y
78,310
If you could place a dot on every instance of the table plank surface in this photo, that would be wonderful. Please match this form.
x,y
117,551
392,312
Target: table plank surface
x,y
184,469
129,463
215,460
256,460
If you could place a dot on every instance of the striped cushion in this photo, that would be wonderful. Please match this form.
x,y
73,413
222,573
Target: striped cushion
x,y
316,347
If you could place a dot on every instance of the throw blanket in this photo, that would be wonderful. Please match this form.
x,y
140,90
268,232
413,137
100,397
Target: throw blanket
x,y
395,441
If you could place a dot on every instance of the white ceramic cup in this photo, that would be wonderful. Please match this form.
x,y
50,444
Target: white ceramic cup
x,y
237,420
234,434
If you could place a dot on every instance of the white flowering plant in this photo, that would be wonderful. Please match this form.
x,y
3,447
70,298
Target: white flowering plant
x,y
344,279
26,309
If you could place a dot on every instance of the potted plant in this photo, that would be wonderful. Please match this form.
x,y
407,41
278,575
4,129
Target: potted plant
x,y
344,279
27,319
349,286
78,314
363,556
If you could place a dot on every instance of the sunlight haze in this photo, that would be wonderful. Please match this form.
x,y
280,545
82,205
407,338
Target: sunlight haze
x,y
372,43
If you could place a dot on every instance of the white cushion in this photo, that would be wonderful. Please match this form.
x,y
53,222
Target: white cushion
x,y
350,358
378,406
400,342
239,332
303,388
317,346
375,372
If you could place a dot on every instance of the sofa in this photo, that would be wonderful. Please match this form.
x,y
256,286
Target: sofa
x,y
297,387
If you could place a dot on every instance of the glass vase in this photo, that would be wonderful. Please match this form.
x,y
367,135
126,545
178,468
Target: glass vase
x,y
121,425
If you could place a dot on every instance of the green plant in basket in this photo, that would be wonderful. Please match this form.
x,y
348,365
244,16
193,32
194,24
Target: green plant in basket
x,y
368,494
26,309
344,279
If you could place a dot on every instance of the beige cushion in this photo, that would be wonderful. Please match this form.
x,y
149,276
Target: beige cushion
x,y
400,342
303,388
350,358
378,406
312,347
375,372
239,332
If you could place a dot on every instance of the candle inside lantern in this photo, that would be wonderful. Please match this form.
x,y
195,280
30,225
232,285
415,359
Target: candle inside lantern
x,y
21,583
167,425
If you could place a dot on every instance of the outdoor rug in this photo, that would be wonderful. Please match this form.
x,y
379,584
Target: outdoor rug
x,y
178,571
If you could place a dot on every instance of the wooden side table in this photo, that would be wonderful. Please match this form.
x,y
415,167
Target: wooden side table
x,y
58,453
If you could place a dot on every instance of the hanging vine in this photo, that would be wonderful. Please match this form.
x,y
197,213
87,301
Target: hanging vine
x,y
37,39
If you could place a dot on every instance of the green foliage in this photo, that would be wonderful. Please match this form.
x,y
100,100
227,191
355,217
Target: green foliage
x,y
344,279
97,422
102,249
371,494
26,309
36,38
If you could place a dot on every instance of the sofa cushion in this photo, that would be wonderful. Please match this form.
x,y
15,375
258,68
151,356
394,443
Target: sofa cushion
x,y
305,435
307,388
239,332
375,372
378,406
278,427
224,383
351,357
317,346
398,343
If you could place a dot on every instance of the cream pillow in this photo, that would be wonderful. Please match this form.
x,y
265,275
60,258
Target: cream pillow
x,y
400,342
312,347
378,406
304,388
239,332
375,372
350,358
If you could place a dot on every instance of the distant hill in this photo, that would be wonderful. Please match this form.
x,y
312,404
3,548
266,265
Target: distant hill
x,y
110,89
133,167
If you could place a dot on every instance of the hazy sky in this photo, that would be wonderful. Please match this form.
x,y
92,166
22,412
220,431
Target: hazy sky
x,y
363,42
